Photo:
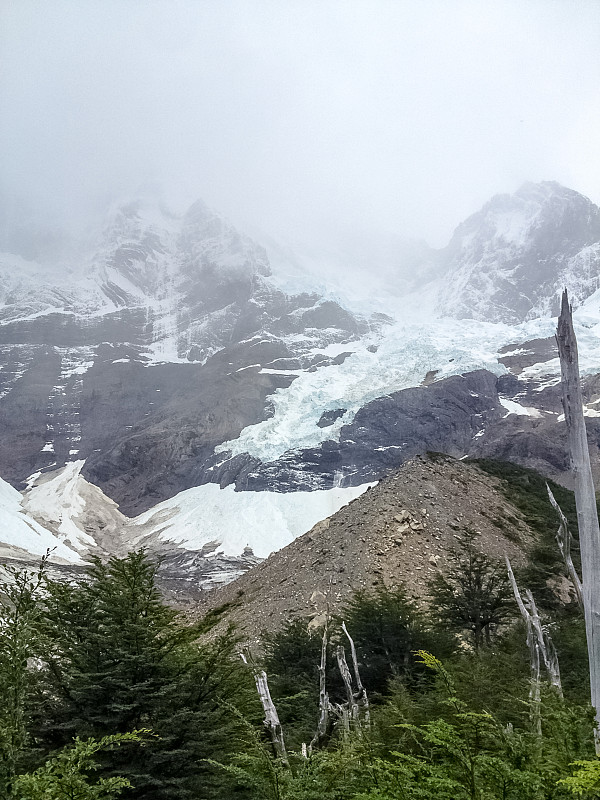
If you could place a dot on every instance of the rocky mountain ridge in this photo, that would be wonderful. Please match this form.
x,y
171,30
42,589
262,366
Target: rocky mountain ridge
x,y
145,354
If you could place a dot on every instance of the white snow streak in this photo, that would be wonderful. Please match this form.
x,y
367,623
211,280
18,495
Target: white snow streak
x,y
516,408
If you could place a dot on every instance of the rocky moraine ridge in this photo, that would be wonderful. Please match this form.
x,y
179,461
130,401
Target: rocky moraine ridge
x,y
400,532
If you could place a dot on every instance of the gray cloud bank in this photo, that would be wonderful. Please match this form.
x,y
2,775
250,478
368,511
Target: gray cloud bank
x,y
305,119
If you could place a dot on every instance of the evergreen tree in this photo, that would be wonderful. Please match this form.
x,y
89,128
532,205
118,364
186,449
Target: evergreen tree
x,y
20,610
66,775
473,595
120,659
387,628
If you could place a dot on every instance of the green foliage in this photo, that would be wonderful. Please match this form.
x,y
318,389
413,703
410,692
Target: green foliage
x,y
293,652
333,774
387,628
473,595
585,781
568,635
20,611
84,664
525,489
497,678
461,753
66,775
112,645
120,659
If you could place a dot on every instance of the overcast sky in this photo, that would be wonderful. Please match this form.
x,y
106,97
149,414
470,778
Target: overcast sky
x,y
300,117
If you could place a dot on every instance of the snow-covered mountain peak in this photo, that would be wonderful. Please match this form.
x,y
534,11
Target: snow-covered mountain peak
x,y
208,241
133,259
147,253
510,261
134,216
130,329
531,217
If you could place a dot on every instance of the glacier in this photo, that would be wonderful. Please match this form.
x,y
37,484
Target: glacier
x,y
406,352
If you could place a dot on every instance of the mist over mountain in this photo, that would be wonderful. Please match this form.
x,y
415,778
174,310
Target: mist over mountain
x,y
507,262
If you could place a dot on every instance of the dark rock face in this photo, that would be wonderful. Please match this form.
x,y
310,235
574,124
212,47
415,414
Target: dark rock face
x,y
329,417
146,358
170,419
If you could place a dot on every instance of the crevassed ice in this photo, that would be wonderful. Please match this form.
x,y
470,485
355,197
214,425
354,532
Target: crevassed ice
x,y
406,353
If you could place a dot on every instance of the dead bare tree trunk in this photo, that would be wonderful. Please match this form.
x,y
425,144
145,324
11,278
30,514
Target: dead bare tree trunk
x,y
324,704
362,698
546,646
271,720
353,712
535,628
535,696
534,657
585,497
563,538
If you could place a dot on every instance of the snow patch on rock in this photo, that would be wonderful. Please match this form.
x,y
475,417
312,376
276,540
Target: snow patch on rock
x,y
20,533
516,408
226,521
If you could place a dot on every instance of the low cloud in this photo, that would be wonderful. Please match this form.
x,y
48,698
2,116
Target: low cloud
x,y
303,119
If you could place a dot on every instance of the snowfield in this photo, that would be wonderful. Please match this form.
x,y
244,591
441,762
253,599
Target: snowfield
x,y
22,533
58,507
225,521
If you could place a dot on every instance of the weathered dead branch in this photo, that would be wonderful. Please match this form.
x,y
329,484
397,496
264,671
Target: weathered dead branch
x,y
545,645
271,720
352,707
361,695
563,539
324,704
534,656
585,497
542,638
